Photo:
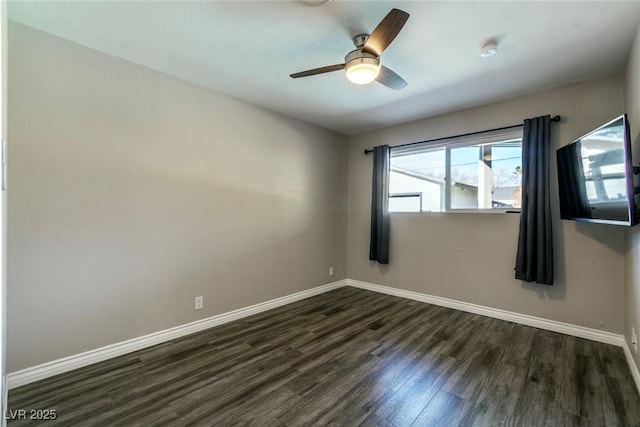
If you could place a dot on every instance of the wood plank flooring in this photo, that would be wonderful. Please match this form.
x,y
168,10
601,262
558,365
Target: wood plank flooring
x,y
350,357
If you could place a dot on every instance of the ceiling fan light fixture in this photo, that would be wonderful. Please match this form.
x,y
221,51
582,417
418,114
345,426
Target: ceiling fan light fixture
x,y
362,70
362,65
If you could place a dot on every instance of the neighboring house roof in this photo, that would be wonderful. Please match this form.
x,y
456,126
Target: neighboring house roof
x,y
418,175
501,197
465,186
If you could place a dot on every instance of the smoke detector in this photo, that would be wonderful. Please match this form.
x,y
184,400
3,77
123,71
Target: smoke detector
x,y
490,48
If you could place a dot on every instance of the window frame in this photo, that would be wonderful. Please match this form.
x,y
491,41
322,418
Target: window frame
x,y
490,137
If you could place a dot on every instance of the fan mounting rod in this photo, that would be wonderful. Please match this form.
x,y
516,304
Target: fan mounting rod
x,y
360,40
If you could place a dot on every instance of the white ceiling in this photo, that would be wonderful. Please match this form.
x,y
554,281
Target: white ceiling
x,y
248,49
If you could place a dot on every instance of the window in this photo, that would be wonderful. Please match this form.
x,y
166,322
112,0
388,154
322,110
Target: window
x,y
479,172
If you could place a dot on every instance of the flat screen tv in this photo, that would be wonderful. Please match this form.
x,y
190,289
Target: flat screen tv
x,y
595,176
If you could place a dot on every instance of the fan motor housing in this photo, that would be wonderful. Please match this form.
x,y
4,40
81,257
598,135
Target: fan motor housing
x,y
359,57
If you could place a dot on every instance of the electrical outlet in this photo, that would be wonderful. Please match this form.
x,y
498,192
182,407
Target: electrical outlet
x,y
634,339
330,271
199,303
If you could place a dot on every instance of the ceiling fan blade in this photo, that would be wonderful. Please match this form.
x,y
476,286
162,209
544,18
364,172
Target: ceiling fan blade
x,y
385,32
390,79
321,70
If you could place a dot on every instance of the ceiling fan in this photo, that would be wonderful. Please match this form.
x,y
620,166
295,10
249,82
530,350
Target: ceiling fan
x,y
362,65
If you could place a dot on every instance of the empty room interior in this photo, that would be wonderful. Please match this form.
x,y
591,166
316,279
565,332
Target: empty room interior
x,y
317,212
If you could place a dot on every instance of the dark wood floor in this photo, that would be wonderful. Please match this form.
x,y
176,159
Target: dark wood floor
x,y
350,357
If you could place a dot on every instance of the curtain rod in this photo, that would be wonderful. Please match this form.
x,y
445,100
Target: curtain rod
x,y
553,119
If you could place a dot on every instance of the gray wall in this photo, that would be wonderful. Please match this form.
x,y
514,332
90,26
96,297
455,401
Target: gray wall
x,y
470,257
132,192
632,282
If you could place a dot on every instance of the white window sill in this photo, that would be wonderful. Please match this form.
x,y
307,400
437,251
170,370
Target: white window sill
x,y
463,211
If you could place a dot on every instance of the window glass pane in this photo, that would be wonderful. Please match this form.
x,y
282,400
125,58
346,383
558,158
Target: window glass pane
x,y
485,173
429,164
464,177
421,172
506,164
486,176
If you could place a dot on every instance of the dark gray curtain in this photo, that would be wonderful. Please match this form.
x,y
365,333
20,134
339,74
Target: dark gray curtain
x,y
534,260
379,246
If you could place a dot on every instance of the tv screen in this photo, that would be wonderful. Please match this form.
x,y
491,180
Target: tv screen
x,y
595,176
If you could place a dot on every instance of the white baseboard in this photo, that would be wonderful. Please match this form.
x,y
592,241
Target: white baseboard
x,y
510,316
632,365
59,366
523,319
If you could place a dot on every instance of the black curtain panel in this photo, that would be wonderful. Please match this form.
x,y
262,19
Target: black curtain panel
x,y
534,260
379,246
